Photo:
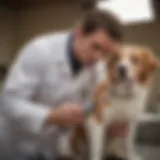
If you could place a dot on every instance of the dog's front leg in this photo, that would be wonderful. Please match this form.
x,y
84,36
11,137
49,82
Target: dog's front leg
x,y
130,142
95,131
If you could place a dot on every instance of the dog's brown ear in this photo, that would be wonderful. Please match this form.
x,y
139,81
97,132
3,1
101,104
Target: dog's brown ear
x,y
152,61
150,64
155,64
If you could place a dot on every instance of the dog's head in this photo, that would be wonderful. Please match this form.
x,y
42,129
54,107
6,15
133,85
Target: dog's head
x,y
134,64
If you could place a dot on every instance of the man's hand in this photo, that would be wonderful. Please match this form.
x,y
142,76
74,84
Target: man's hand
x,y
65,115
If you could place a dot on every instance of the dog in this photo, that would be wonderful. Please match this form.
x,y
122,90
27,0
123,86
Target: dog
x,y
120,96
130,78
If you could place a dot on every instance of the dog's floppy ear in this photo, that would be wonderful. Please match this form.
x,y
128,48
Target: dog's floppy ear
x,y
155,63
150,64
152,61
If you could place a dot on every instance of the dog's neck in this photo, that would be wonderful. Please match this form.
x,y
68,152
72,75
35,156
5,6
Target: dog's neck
x,y
121,90
126,90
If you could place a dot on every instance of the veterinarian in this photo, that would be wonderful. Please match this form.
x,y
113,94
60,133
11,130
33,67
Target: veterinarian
x,y
48,84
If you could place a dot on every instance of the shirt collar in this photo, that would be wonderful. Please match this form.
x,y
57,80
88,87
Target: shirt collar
x,y
76,65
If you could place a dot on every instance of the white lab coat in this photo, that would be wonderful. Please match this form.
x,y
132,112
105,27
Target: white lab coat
x,y
39,79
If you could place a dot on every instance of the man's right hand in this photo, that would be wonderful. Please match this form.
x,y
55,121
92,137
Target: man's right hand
x,y
65,115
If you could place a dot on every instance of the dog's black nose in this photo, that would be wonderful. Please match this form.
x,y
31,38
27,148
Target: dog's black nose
x,y
122,72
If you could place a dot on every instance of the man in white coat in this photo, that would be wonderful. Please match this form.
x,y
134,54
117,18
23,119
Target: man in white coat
x,y
49,83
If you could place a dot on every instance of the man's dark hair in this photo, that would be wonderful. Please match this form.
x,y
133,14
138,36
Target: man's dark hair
x,y
105,20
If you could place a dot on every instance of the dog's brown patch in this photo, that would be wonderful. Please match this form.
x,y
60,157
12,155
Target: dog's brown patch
x,y
148,64
101,100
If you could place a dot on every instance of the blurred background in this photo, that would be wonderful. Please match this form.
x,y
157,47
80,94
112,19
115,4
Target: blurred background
x,y
21,20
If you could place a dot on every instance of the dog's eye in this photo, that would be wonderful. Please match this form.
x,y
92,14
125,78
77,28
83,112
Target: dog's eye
x,y
134,59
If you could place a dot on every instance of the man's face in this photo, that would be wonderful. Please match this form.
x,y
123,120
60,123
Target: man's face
x,y
93,46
